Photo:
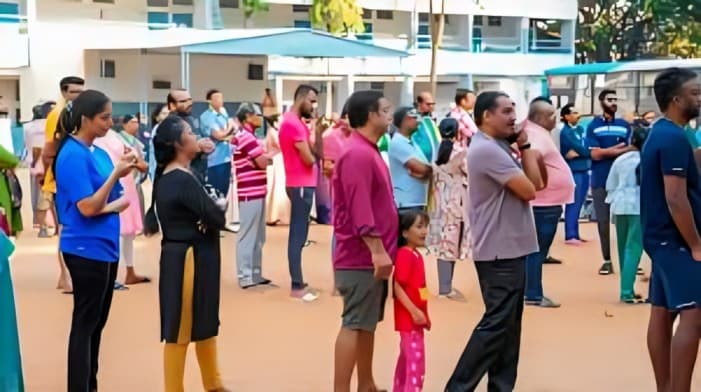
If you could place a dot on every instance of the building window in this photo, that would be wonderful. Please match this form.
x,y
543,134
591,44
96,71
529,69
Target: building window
x,y
303,24
546,34
300,8
423,17
9,13
229,3
367,14
377,86
158,20
157,3
255,72
103,1
182,2
182,20
160,85
494,21
446,18
477,20
385,14
108,69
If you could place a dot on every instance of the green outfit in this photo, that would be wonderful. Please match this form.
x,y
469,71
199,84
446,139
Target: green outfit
x,y
14,217
10,360
383,143
629,236
427,137
691,136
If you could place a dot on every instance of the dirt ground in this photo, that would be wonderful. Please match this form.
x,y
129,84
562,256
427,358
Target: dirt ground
x,y
269,342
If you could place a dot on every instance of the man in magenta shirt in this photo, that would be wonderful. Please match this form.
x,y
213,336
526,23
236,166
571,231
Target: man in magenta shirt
x,y
366,229
547,206
300,155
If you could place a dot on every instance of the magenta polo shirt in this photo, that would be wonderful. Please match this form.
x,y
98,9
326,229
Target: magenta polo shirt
x,y
363,205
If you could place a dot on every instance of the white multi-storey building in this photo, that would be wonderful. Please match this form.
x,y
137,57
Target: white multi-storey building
x,y
134,49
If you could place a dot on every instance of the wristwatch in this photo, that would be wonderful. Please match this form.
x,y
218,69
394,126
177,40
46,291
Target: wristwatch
x,y
524,147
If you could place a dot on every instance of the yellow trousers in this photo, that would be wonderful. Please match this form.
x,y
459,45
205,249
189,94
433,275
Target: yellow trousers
x,y
174,354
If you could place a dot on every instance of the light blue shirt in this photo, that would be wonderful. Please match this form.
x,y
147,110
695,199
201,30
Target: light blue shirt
x,y
623,190
212,120
408,191
152,155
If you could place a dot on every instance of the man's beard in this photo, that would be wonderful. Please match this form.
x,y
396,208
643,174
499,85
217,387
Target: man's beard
x,y
691,112
610,110
306,115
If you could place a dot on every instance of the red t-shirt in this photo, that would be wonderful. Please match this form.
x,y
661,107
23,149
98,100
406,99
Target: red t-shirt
x,y
410,274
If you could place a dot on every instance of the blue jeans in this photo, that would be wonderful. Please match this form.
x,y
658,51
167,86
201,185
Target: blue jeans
x,y
301,199
572,211
546,220
219,177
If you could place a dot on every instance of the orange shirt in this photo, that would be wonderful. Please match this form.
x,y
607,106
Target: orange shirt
x,y
51,124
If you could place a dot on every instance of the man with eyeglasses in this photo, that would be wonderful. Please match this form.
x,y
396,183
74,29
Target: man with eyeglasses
x,y
427,136
410,169
607,137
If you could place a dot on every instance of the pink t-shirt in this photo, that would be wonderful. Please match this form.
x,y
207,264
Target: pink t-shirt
x,y
560,188
297,173
334,140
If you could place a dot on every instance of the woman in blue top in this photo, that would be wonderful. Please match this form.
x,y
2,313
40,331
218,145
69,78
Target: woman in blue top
x,y
89,200
573,146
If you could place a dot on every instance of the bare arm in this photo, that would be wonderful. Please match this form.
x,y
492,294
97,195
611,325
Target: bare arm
x,y
305,151
599,154
261,161
680,209
418,169
531,160
403,298
96,203
380,258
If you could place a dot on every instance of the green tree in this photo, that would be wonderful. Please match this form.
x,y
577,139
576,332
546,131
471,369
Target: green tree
x,y
629,29
338,17
252,7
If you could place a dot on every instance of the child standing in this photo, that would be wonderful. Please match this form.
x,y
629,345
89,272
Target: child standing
x,y
623,189
410,302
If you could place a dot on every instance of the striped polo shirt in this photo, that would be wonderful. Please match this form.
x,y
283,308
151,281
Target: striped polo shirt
x,y
603,133
251,181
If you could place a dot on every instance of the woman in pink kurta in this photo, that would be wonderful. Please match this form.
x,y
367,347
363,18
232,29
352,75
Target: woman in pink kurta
x,y
131,219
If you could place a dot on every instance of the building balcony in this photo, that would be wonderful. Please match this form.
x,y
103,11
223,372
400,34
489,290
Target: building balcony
x,y
15,40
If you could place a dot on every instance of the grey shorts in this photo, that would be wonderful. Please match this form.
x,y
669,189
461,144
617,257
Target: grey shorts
x,y
363,299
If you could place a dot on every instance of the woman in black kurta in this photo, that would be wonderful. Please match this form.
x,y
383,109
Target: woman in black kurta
x,y
190,264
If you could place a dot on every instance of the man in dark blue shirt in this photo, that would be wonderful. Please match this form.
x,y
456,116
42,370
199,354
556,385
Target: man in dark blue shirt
x,y
573,146
670,209
607,138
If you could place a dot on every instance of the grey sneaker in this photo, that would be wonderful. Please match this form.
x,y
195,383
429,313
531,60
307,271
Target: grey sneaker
x,y
543,303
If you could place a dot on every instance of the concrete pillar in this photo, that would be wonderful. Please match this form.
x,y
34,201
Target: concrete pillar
x,y
329,98
346,87
525,28
279,85
407,94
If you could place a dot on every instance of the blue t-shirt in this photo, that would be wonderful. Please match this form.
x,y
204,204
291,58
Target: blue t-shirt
x,y
667,152
80,172
212,120
408,191
574,138
602,133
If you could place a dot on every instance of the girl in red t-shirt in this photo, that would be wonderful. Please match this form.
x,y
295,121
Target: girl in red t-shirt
x,y
410,302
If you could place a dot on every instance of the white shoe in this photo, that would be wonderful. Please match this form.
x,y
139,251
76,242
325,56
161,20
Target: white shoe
x,y
305,295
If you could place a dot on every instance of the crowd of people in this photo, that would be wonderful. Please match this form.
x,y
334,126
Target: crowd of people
x,y
473,186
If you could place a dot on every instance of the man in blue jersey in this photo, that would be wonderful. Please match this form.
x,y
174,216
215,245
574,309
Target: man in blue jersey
x,y
670,210
607,138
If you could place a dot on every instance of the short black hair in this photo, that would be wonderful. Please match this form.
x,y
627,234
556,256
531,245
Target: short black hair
x,y
212,92
303,90
604,93
541,98
461,94
669,83
407,219
567,109
71,80
487,101
360,105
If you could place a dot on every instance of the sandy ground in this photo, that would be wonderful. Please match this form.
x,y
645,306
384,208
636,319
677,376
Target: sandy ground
x,y
269,342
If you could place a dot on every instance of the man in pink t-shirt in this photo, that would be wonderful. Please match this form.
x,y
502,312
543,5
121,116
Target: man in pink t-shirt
x,y
464,103
547,206
300,155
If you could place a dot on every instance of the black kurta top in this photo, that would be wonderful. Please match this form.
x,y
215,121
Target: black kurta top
x,y
188,218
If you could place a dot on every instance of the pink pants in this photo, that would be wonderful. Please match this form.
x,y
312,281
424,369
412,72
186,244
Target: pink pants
x,y
411,365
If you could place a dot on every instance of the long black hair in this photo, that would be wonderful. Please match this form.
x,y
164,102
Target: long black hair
x,y
407,219
154,114
638,141
88,104
449,130
170,132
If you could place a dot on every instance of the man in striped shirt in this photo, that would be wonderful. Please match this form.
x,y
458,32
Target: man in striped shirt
x,y
250,162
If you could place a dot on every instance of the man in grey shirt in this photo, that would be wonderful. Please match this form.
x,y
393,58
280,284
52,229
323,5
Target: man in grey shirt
x,y
504,233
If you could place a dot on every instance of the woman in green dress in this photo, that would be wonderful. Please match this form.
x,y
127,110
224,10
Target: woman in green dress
x,y
10,360
14,218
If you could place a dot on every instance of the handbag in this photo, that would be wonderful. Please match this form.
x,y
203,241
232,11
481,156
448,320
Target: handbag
x,y
14,187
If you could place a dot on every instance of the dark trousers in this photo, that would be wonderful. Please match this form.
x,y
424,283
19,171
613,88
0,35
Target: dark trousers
x,y
301,199
93,285
572,211
495,343
603,221
546,220
219,177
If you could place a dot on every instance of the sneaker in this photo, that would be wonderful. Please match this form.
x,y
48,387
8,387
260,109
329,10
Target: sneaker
x,y
606,268
552,260
545,302
263,282
454,295
633,300
305,295
232,227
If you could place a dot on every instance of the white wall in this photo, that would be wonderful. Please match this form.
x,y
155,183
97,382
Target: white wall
x,y
8,92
